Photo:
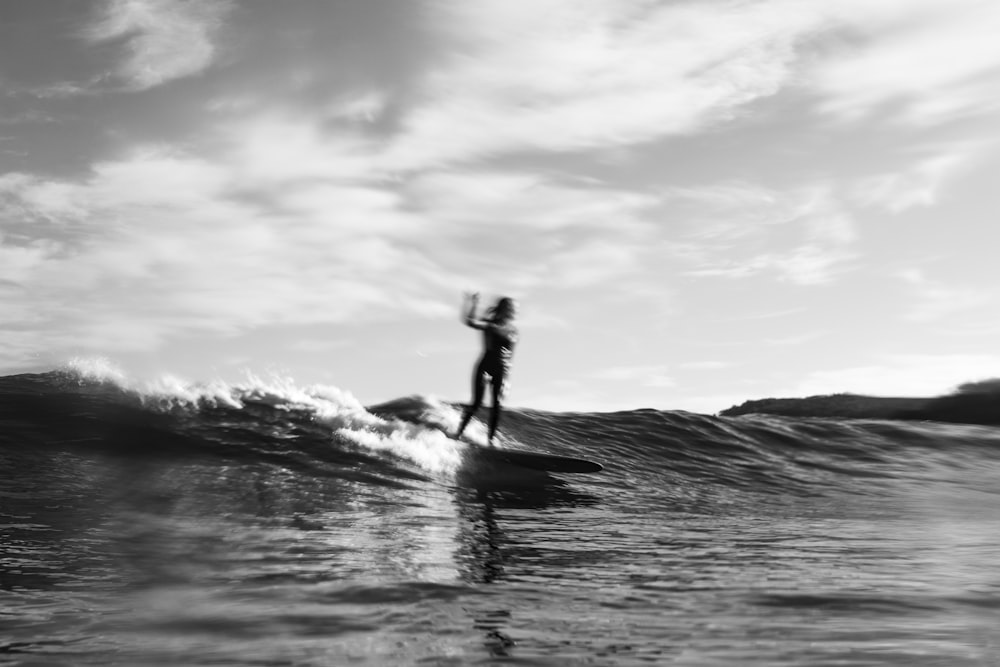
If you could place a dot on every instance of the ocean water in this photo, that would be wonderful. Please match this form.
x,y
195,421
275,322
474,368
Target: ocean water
x,y
271,524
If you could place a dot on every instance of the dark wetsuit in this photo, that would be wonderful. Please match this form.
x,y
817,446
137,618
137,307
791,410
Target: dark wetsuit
x,y
498,350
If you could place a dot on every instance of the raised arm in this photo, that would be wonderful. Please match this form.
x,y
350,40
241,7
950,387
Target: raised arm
x,y
471,305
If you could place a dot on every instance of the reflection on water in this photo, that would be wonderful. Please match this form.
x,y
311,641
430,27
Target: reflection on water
x,y
483,546
572,576
193,562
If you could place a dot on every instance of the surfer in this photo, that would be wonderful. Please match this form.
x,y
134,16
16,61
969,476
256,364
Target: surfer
x,y
499,338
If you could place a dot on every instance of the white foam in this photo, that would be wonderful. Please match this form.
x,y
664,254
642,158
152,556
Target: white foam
x,y
437,414
425,445
174,391
95,369
431,450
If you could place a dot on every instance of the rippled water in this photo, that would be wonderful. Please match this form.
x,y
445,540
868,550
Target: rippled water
x,y
187,564
704,542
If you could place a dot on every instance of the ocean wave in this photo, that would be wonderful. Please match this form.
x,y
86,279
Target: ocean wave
x,y
92,404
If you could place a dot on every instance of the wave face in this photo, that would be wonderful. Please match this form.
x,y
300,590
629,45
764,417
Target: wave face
x,y
324,430
263,522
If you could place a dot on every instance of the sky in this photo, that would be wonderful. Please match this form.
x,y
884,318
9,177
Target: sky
x,y
695,203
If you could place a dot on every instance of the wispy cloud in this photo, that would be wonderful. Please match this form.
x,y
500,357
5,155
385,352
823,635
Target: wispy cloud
x,y
645,375
705,365
271,149
62,90
172,246
179,244
918,184
738,230
30,116
565,75
795,339
933,61
165,39
532,229
935,300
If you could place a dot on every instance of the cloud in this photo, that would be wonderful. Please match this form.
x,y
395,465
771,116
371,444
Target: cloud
x,y
61,90
739,230
570,75
376,201
934,61
165,39
919,184
172,246
706,365
530,230
365,107
646,375
795,339
19,262
579,75
273,149
176,244
935,301
29,116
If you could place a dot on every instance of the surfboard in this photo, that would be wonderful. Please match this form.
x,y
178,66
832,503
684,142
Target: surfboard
x,y
534,460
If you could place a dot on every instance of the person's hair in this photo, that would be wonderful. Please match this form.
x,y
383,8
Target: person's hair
x,y
504,310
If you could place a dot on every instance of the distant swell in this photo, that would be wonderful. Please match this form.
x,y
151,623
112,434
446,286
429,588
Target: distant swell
x,y
324,431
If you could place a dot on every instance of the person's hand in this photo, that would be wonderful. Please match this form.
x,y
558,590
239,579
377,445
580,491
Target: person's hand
x,y
470,306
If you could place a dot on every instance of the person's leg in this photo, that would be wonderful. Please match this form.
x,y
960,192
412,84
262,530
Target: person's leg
x,y
478,388
497,387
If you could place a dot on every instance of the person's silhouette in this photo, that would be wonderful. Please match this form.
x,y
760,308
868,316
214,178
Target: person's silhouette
x,y
499,337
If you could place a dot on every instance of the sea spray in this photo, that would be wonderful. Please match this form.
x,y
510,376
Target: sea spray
x,y
425,444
